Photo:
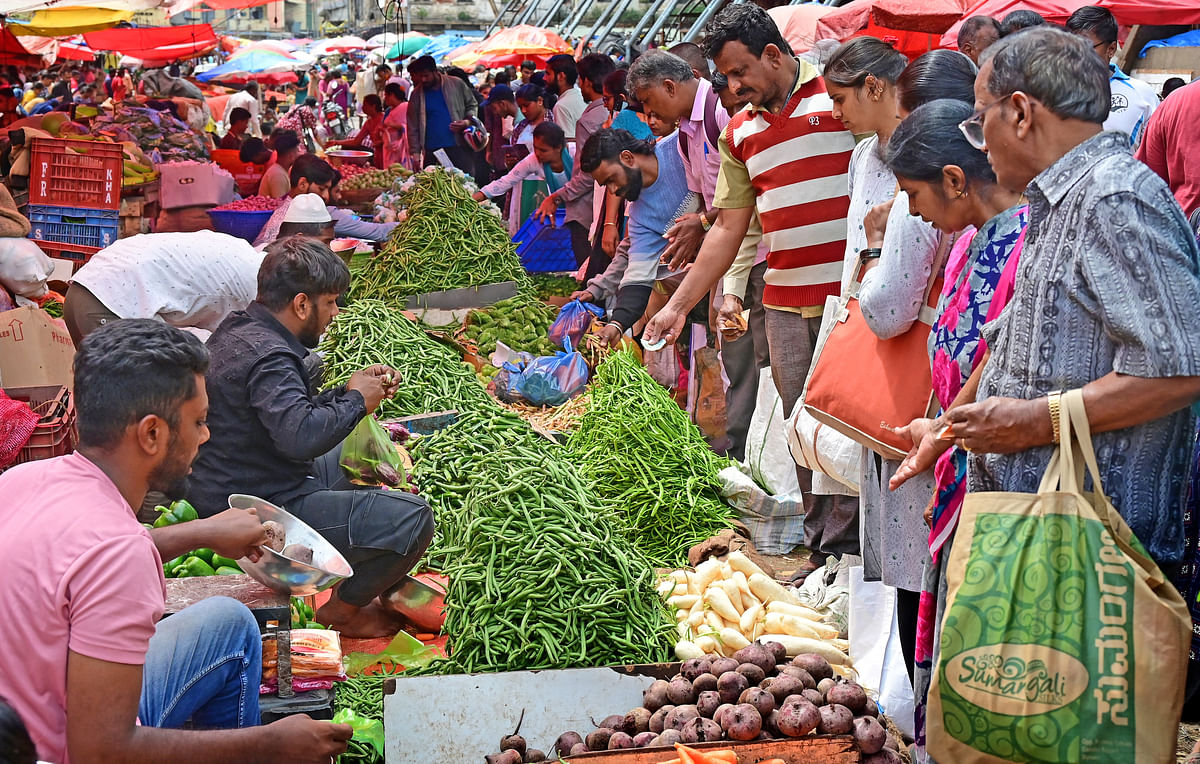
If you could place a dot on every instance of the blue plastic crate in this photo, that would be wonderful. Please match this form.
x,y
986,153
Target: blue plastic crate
x,y
82,226
545,249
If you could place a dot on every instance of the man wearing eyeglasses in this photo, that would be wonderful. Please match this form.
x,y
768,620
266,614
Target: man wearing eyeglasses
x,y
1132,101
1104,298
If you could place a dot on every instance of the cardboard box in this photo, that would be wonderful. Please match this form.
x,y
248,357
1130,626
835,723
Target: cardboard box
x,y
34,349
187,185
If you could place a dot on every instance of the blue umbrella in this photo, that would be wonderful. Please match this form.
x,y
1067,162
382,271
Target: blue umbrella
x,y
441,45
253,62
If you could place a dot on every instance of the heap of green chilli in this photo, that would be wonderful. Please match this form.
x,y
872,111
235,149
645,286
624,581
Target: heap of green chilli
x,y
539,576
447,241
640,453
520,323
432,375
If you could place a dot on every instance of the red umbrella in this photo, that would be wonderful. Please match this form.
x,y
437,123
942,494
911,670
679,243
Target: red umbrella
x,y
798,23
155,43
931,16
1053,11
855,20
1130,12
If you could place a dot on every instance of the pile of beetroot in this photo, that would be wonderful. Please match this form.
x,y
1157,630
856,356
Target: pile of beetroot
x,y
754,695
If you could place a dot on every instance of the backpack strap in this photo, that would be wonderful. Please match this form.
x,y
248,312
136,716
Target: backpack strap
x,y
710,117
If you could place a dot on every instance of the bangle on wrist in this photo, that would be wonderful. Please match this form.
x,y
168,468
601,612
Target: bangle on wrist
x,y
606,225
1055,402
705,223
870,253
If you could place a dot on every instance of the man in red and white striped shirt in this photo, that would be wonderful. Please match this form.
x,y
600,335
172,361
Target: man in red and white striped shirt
x,y
786,157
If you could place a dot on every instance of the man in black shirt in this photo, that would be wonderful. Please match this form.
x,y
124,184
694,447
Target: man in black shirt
x,y
273,437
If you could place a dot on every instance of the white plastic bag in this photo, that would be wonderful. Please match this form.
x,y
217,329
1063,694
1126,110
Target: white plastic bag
x,y
776,523
24,268
875,649
767,453
822,449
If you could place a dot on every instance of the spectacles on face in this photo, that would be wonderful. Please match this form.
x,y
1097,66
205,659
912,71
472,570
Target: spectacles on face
x,y
972,127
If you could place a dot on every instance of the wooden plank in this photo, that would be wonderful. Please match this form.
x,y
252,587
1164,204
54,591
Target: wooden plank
x,y
814,749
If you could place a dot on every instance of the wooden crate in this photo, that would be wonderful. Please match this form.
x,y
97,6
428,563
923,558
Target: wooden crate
x,y
816,749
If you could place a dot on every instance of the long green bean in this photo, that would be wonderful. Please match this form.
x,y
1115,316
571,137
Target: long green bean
x,y
640,453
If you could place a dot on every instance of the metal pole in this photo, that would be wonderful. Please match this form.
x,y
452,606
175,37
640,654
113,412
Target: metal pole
x,y
546,20
662,20
499,16
599,20
637,29
575,17
523,18
624,5
703,19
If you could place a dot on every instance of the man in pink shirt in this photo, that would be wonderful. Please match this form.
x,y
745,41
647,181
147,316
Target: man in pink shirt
x,y
89,667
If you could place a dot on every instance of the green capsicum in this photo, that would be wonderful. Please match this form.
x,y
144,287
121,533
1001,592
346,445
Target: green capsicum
x,y
178,512
171,567
218,561
227,571
206,554
195,567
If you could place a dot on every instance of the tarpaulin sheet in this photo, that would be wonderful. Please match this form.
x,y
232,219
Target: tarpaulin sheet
x,y
12,52
1153,12
155,43
1186,40
854,20
60,22
798,23
1053,11
929,16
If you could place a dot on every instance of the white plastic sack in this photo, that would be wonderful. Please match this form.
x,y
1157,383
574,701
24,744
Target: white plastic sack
x,y
875,649
24,268
776,523
822,449
767,453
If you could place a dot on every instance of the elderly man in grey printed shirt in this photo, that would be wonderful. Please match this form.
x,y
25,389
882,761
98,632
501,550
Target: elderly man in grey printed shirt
x,y
1105,296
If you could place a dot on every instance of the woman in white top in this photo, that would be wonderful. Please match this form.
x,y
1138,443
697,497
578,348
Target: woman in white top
x,y
551,161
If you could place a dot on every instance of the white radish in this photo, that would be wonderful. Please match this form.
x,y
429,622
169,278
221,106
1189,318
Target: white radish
x,y
666,587
734,594
760,628
797,645
751,616
790,624
726,571
733,639
706,644
714,621
716,598
790,609
707,572
739,561
685,650
684,628
680,576
696,615
693,584
679,590
683,601
743,584
769,590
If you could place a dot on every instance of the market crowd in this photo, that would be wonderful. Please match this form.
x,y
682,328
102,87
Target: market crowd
x,y
1023,200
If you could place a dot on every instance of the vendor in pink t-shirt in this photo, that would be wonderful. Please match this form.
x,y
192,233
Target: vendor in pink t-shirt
x,y
89,666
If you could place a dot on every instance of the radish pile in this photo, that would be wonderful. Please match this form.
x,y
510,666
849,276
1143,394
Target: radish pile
x,y
755,694
726,604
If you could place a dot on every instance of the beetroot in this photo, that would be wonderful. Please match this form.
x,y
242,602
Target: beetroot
x,y
835,720
680,692
504,757
814,696
667,739
824,686
708,703
655,697
566,741
753,673
614,722
759,698
578,748
513,742
886,756
777,651
731,685
742,722
797,717
783,686
598,740
720,712
533,755
801,674
869,735
817,667
658,719
704,683
721,665
848,694
251,204
758,655
679,717
691,668
700,730
643,739
619,741
636,721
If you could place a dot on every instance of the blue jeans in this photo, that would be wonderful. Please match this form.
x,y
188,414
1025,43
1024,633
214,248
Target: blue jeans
x,y
204,664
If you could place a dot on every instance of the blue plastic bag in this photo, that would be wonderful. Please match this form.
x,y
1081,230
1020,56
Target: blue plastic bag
x,y
573,321
553,380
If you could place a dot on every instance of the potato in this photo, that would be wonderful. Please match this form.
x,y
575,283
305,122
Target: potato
x,y
643,739
655,697
742,722
704,683
690,669
620,741
679,717
835,720
797,717
869,735
753,673
566,741
708,702
731,685
636,721
760,699
722,665
598,740
784,686
816,666
801,674
848,694
886,756
658,720
814,696
778,651
680,692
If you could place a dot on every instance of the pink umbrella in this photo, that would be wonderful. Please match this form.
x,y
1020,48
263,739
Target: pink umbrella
x,y
798,23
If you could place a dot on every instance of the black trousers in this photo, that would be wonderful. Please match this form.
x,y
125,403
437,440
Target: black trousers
x,y
382,534
462,159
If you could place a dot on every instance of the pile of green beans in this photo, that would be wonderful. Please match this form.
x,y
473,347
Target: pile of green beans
x,y
641,454
447,242
539,575
363,695
433,376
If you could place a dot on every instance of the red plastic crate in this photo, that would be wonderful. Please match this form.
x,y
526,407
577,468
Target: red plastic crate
x,y
55,433
78,254
59,174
